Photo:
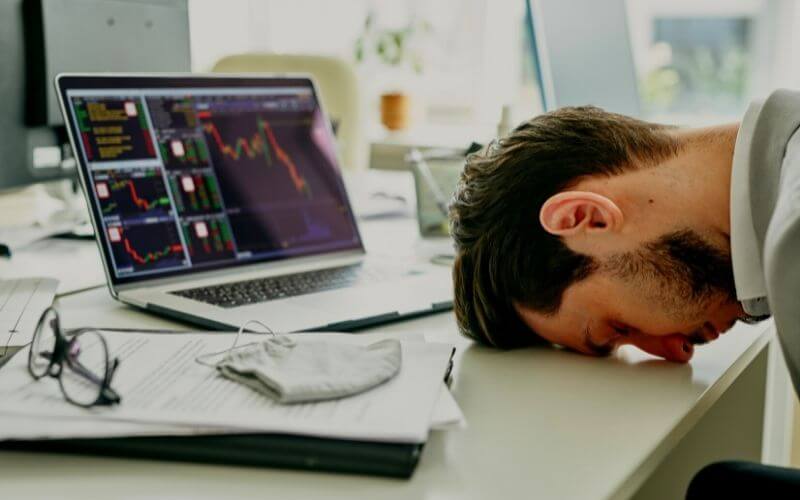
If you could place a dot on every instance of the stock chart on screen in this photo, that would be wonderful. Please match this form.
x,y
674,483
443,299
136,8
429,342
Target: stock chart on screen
x,y
145,247
277,176
138,193
113,129
196,193
254,153
208,240
187,178
183,152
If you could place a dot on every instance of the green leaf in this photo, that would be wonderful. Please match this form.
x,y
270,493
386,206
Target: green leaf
x,y
399,38
359,50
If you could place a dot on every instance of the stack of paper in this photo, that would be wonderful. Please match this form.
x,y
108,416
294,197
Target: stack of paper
x,y
22,302
166,392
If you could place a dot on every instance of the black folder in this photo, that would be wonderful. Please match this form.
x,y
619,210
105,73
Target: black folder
x,y
256,450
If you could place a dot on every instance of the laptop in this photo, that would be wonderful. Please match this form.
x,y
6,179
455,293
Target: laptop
x,y
219,199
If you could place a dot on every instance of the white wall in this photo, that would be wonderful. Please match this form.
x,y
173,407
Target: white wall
x,y
218,29
221,28
474,57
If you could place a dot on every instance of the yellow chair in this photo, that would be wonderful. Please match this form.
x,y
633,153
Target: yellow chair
x,y
338,88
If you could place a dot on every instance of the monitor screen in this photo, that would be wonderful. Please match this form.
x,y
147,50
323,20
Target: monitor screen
x,y
184,178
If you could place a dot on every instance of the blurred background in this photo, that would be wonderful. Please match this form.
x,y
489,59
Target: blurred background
x,y
463,60
396,75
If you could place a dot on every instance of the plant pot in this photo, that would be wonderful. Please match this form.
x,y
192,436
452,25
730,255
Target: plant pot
x,y
395,110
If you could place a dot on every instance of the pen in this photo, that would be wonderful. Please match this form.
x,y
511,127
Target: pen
x,y
421,168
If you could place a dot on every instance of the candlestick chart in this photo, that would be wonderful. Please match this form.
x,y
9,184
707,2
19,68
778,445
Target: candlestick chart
x,y
183,152
208,240
195,193
245,146
138,247
132,193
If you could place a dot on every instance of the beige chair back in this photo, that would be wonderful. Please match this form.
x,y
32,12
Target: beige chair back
x,y
338,88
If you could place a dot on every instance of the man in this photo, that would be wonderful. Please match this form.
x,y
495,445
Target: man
x,y
589,230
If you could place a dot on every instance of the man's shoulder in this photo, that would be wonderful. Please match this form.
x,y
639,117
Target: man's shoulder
x,y
778,109
773,129
782,242
780,98
776,211
782,274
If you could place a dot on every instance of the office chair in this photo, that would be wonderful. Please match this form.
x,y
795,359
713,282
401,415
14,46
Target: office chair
x,y
339,92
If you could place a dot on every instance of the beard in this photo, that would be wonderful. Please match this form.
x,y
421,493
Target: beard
x,y
680,270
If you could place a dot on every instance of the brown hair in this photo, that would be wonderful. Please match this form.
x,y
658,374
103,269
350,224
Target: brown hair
x,y
503,255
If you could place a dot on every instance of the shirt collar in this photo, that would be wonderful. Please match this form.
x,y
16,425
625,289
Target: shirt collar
x,y
745,252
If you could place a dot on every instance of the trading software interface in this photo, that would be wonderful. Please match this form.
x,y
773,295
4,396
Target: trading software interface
x,y
194,178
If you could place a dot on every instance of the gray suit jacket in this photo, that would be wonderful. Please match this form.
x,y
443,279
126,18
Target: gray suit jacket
x,y
774,177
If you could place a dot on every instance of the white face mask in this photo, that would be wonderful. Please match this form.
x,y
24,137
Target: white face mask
x,y
311,370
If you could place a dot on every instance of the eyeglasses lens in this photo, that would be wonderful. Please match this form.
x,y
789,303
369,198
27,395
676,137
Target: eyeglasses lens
x,y
44,343
85,368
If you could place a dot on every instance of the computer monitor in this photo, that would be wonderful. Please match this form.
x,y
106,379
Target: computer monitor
x,y
582,52
41,38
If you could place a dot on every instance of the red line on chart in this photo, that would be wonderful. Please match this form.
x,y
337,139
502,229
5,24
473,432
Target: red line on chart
x,y
299,182
250,148
87,146
148,143
255,146
140,202
150,256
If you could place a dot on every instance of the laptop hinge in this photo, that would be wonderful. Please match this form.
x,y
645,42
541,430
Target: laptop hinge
x,y
124,297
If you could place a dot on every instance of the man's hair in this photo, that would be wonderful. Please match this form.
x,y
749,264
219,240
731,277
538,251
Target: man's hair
x,y
503,255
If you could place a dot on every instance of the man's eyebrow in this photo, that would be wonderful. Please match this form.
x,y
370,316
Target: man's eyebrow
x,y
597,350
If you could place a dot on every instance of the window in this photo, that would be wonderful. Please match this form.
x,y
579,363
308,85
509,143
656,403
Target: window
x,y
698,60
703,64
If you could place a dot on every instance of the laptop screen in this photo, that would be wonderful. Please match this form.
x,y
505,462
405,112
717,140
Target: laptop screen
x,y
184,176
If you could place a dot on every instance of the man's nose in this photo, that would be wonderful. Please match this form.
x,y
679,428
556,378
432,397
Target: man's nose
x,y
674,347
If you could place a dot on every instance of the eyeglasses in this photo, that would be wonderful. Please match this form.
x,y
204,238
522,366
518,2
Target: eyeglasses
x,y
79,361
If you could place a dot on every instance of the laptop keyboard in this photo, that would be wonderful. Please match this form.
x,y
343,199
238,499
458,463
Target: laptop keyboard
x,y
241,293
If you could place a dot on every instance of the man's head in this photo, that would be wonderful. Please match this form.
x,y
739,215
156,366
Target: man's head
x,y
589,229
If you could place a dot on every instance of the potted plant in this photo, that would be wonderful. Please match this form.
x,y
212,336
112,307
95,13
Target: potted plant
x,y
398,48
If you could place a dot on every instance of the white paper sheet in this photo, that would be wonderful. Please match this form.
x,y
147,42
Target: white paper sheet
x,y
27,427
17,237
160,383
76,264
446,416
22,302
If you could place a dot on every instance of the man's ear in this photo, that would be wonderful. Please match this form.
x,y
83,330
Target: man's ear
x,y
575,212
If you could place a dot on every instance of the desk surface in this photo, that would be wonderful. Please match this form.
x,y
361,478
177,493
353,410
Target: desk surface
x,y
542,423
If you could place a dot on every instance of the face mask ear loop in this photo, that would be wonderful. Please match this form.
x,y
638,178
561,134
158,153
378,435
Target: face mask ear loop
x,y
244,327
203,357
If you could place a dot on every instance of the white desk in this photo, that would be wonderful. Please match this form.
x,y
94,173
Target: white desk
x,y
541,424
